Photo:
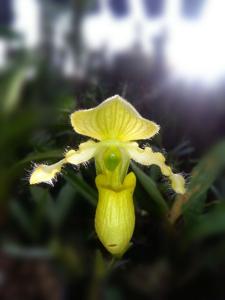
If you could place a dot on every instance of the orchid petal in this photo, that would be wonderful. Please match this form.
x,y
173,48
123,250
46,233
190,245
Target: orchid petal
x,y
45,173
148,157
85,152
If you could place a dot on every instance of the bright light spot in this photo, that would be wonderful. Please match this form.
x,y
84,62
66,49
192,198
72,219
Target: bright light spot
x,y
196,50
172,13
117,35
27,21
3,54
61,30
104,31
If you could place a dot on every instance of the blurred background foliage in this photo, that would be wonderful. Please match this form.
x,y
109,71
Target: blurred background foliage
x,y
49,249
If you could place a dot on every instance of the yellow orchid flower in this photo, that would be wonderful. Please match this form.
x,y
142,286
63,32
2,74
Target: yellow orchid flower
x,y
116,125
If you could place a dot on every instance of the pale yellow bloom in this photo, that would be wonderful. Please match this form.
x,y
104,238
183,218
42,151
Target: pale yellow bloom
x,y
115,125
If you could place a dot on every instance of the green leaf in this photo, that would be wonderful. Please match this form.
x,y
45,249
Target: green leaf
x,y
209,224
202,178
38,193
67,255
205,173
11,87
82,187
150,187
192,210
22,217
57,211
57,154
41,197
100,267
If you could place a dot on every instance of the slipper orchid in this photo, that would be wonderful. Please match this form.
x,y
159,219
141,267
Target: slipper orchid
x,y
114,126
